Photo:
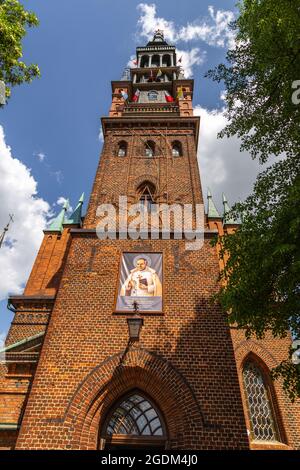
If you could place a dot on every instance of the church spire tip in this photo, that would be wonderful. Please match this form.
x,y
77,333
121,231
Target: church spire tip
x,y
212,211
227,218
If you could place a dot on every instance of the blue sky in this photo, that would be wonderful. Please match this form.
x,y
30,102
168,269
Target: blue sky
x,y
52,125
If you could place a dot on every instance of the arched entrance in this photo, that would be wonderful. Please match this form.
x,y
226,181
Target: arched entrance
x,y
134,422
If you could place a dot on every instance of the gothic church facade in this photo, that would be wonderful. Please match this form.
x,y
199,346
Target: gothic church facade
x,y
70,376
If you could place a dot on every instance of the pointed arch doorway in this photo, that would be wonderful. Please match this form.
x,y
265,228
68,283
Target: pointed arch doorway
x,y
134,422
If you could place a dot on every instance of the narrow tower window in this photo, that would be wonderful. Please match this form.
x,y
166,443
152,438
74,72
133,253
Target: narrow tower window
x,y
149,148
259,401
122,149
176,149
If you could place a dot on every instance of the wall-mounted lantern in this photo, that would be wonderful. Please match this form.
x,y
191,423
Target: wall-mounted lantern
x,y
135,324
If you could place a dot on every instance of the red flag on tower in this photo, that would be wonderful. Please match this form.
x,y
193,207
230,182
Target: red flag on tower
x,y
169,98
136,96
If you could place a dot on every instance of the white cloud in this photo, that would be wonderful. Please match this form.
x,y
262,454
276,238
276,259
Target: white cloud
x,y
100,135
132,62
223,167
148,23
18,195
2,339
58,176
189,59
41,156
214,30
61,202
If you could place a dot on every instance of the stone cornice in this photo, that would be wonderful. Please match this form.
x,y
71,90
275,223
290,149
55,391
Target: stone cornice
x,y
17,300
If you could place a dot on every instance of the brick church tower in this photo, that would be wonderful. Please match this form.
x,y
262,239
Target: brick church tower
x,y
72,377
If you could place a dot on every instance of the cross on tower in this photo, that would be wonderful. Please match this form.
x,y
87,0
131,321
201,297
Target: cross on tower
x,y
2,236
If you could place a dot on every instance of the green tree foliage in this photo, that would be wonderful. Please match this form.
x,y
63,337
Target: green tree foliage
x,y
13,22
259,77
262,290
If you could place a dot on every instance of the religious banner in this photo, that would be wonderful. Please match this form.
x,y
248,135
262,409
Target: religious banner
x,y
140,281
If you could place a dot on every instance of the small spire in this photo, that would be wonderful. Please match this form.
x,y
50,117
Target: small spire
x,y
75,217
158,35
57,224
227,219
158,38
212,211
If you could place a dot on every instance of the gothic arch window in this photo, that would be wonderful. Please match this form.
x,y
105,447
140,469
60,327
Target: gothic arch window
x,y
149,149
260,404
176,149
122,149
134,421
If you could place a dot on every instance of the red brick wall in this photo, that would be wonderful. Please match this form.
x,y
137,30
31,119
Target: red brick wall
x,y
175,179
24,327
14,386
184,360
189,346
47,269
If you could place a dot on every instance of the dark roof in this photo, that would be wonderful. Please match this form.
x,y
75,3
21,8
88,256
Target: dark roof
x,y
157,43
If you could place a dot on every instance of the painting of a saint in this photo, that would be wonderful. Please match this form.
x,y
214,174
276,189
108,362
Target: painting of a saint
x,y
140,280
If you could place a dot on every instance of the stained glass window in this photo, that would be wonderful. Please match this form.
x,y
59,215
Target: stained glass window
x,y
263,426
